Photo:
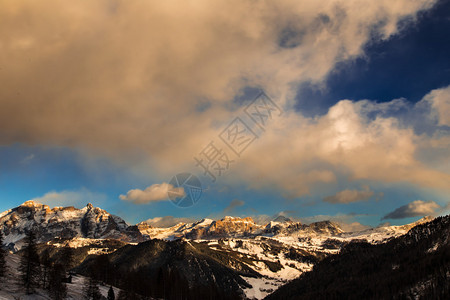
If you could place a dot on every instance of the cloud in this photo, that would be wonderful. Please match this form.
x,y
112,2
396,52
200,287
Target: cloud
x,y
416,208
153,193
347,142
440,103
235,203
123,84
167,221
77,198
112,83
349,196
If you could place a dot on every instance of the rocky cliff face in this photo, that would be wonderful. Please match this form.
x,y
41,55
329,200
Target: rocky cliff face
x,y
230,226
323,228
62,222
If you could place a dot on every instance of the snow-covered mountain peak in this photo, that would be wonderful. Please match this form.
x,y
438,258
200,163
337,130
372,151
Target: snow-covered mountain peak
x,y
236,219
32,203
62,222
203,222
93,222
327,227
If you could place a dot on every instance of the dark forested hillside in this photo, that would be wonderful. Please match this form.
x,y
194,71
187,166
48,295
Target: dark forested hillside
x,y
171,270
414,266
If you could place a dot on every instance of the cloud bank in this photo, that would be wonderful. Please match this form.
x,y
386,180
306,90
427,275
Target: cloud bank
x,y
355,140
416,208
148,84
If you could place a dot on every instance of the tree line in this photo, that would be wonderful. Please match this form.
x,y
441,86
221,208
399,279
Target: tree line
x,y
41,272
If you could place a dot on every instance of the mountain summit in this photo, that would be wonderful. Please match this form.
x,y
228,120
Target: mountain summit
x,y
62,222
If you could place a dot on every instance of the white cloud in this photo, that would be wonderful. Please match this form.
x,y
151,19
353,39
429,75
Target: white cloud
x,y
153,193
348,196
414,209
297,155
167,221
440,103
77,198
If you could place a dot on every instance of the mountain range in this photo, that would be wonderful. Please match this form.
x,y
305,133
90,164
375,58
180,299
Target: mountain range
x,y
230,258
413,266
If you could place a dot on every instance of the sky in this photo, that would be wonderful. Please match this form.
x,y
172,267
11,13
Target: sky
x,y
338,110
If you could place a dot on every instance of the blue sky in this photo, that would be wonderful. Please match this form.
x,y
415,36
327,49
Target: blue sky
x,y
408,65
94,110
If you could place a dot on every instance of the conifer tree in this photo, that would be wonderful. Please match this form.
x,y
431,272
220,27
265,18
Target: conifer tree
x,y
29,266
111,295
46,268
2,257
57,286
90,289
67,258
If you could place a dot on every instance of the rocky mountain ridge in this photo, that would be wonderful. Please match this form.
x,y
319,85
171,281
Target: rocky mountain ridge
x,y
95,223
63,222
236,227
257,258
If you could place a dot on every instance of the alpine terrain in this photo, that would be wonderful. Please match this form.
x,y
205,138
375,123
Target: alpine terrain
x,y
230,258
